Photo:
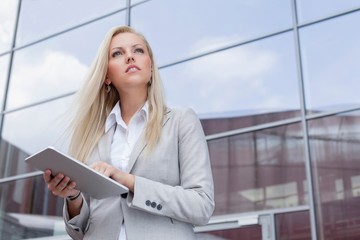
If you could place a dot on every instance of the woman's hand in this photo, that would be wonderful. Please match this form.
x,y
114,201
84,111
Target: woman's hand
x,y
104,168
121,177
60,185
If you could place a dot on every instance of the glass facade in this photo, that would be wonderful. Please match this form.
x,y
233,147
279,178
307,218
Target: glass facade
x,y
336,39
259,170
274,83
334,145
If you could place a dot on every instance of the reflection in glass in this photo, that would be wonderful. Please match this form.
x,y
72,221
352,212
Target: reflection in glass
x,y
247,80
293,226
8,11
331,63
182,28
53,16
355,185
276,197
246,233
259,170
56,66
335,154
28,209
30,130
309,10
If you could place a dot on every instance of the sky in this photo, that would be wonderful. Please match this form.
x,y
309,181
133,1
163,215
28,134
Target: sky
x,y
261,76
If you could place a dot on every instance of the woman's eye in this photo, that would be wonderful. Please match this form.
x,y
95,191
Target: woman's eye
x,y
139,50
117,53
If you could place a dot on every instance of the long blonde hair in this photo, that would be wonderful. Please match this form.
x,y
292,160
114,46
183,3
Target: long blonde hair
x,y
93,104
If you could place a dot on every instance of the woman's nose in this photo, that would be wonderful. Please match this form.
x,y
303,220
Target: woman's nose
x,y
129,59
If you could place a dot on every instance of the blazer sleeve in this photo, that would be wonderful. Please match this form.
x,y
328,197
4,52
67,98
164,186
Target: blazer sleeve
x,y
76,226
193,200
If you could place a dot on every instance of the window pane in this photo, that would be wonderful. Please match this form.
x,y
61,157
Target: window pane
x,y
52,16
32,129
293,226
335,153
4,64
182,28
8,10
56,66
28,210
259,170
246,233
331,63
310,10
251,79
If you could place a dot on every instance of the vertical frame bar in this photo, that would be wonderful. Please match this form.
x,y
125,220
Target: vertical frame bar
x,y
7,83
128,13
267,227
309,173
273,226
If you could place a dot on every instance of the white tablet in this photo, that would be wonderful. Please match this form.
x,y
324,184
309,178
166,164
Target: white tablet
x,y
87,180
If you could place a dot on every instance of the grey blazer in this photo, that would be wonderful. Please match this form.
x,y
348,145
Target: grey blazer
x,y
173,187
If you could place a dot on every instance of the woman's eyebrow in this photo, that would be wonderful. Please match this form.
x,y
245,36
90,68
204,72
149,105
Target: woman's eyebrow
x,y
133,46
138,44
116,48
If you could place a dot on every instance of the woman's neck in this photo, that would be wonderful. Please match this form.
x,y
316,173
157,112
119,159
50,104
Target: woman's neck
x,y
130,105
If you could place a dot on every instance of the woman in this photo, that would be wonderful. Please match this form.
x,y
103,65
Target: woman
x,y
123,129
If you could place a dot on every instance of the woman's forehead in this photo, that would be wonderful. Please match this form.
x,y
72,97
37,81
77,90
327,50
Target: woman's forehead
x,y
125,39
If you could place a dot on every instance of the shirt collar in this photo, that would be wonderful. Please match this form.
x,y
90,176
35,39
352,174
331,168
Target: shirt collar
x,y
115,117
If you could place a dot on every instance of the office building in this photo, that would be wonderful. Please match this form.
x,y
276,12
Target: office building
x,y
275,84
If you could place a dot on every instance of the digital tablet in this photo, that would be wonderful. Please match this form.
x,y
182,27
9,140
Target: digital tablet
x,y
87,180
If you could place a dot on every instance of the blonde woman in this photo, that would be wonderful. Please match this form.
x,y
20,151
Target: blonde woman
x,y
124,130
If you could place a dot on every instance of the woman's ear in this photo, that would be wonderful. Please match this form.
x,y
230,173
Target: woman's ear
x,y
107,80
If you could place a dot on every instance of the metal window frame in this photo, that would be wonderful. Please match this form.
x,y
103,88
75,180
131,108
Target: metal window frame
x,y
264,218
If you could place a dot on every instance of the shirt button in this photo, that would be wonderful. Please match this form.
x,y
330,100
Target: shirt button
x,y
153,204
159,207
148,202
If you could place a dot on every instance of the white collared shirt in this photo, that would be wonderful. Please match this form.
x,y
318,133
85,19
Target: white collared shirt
x,y
124,139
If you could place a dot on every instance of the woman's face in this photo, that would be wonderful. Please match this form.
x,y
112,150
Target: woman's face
x,y
129,63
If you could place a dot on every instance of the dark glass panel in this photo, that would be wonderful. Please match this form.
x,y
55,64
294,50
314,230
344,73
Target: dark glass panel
x,y
335,155
293,226
260,170
245,233
28,210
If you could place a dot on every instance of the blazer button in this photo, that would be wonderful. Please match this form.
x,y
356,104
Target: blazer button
x,y
148,202
159,207
153,204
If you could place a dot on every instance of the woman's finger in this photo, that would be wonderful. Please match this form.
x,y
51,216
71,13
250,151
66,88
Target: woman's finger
x,y
47,175
63,184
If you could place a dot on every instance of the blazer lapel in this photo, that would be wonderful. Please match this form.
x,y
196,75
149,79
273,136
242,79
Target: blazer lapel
x,y
141,144
138,148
